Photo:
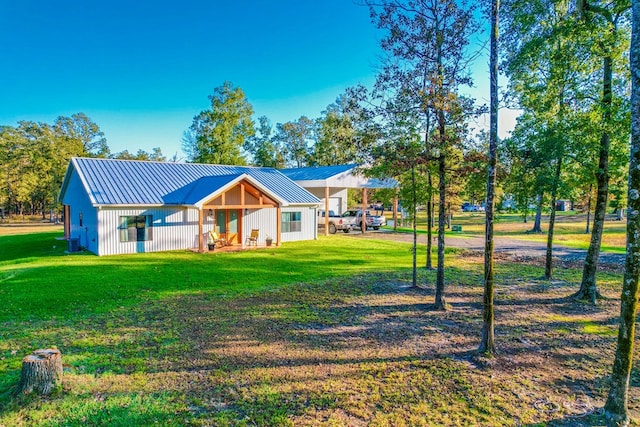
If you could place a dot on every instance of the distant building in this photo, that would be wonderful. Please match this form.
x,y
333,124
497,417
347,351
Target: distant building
x,y
563,205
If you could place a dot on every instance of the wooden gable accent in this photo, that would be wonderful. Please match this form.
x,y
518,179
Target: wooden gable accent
x,y
241,196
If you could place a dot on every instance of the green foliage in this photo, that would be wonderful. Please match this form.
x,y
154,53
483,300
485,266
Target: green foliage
x,y
263,147
295,138
217,135
155,156
344,132
34,157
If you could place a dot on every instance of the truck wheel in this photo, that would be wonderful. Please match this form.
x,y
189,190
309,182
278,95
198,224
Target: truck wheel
x,y
332,229
346,230
376,228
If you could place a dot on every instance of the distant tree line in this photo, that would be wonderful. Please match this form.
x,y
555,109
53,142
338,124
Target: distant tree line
x,y
227,134
34,157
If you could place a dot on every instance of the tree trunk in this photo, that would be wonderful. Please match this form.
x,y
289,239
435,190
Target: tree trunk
x,y
440,303
487,344
429,222
548,267
586,231
537,228
616,407
414,212
41,371
588,287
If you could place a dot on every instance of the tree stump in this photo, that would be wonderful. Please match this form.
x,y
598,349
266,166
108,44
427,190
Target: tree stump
x,y
41,371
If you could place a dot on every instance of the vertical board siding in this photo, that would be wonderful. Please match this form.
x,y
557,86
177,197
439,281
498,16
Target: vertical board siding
x,y
174,228
337,198
78,200
308,219
261,219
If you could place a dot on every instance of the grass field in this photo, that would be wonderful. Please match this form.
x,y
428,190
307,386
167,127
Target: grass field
x,y
569,229
327,332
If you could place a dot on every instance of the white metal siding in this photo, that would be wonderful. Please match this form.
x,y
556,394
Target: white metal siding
x,y
337,198
264,220
174,228
78,200
308,219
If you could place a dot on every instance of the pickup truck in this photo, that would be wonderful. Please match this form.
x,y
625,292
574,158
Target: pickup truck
x,y
353,219
335,222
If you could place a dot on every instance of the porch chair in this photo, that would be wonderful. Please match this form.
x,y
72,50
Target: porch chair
x,y
216,239
252,239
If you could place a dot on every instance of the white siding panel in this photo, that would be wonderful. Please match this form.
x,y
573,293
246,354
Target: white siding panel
x,y
309,228
78,200
264,220
337,198
174,228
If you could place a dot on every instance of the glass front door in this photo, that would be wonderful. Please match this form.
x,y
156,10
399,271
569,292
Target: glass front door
x,y
232,235
227,224
221,222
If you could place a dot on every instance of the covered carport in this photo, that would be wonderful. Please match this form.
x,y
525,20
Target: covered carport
x,y
330,184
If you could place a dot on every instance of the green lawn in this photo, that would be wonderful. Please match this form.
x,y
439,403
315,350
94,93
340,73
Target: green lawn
x,y
569,229
324,332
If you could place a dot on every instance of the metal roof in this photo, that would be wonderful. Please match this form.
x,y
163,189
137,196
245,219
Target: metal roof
x,y
316,172
338,176
134,182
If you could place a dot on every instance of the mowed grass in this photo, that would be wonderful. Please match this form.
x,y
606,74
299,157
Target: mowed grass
x,y
325,332
569,229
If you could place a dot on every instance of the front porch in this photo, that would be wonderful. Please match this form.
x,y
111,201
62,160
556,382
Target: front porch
x,y
236,210
235,248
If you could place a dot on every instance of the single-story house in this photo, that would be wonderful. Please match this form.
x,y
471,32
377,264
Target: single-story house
x,y
126,206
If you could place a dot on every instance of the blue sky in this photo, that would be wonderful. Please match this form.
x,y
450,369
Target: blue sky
x,y
142,69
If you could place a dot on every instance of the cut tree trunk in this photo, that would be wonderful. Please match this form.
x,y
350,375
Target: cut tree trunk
x,y
41,371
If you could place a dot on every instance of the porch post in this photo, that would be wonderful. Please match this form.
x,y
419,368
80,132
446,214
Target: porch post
x,y
200,239
278,225
326,210
364,210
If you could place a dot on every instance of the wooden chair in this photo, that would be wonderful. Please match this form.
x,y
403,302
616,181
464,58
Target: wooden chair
x,y
216,240
252,239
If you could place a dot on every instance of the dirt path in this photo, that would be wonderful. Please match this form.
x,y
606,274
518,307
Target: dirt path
x,y
505,246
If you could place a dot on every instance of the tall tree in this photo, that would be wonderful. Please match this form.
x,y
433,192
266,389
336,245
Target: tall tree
x,y
616,407
400,155
611,14
336,135
548,63
84,133
155,155
487,344
428,43
217,135
296,138
263,147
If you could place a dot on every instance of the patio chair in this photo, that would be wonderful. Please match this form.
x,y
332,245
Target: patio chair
x,y
216,240
252,239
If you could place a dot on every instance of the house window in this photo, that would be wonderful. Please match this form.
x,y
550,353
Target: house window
x,y
291,221
136,228
80,217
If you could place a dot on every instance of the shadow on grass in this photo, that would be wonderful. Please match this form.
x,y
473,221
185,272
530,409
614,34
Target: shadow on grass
x,y
341,350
